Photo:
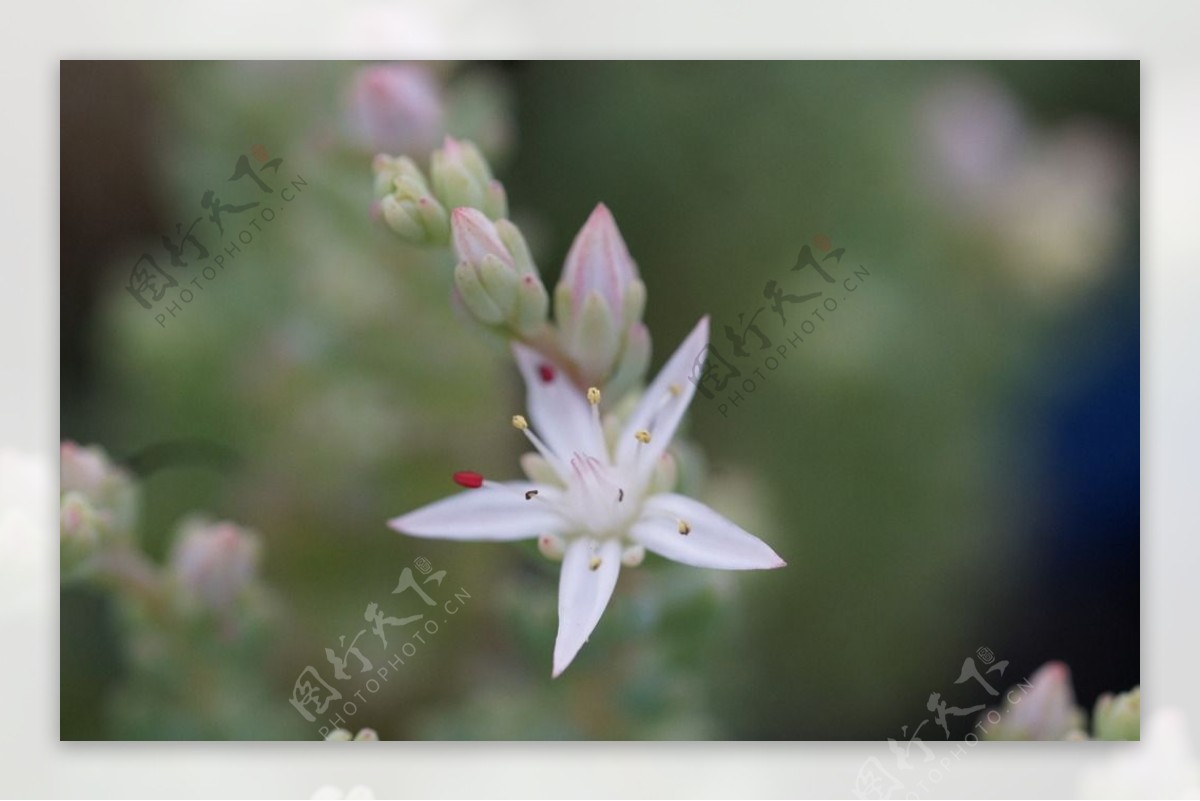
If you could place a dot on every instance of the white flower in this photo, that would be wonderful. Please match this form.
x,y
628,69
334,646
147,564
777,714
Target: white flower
x,y
604,506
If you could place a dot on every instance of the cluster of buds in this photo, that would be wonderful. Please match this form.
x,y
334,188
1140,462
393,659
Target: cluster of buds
x,y
495,278
598,337
418,209
213,565
98,505
1044,708
212,572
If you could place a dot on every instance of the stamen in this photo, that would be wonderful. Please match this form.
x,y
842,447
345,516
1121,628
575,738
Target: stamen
x,y
620,495
642,436
675,390
546,372
684,528
530,495
521,424
595,563
468,479
593,396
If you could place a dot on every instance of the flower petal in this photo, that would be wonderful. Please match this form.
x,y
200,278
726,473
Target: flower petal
x,y
711,541
589,574
560,412
497,512
665,401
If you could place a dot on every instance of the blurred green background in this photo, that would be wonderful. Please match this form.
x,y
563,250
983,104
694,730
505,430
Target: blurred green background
x,y
948,461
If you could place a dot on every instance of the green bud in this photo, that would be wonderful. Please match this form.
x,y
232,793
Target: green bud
x,y
407,204
1118,717
474,296
633,361
635,303
461,178
594,340
501,283
515,244
532,305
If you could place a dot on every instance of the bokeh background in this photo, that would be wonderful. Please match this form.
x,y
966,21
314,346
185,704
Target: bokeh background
x,y
949,462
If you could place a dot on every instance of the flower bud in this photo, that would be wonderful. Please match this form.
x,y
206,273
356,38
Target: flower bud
x,y
395,108
1118,717
552,547
633,556
495,277
214,563
408,206
105,496
79,530
666,474
1041,709
631,365
539,470
599,298
461,177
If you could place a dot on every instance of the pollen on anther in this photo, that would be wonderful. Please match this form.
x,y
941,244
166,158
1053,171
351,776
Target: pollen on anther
x,y
546,373
684,528
519,422
642,436
593,396
529,494
468,479
595,563
675,390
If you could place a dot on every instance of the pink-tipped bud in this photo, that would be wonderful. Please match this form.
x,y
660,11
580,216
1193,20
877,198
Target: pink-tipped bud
x,y
215,563
475,237
598,260
599,299
395,108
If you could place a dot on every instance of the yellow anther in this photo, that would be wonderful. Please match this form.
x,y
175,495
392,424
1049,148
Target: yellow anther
x,y
593,396
519,422
675,390
684,528
595,563
642,436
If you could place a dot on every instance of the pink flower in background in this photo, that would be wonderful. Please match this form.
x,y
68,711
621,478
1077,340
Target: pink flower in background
x,y
215,563
395,108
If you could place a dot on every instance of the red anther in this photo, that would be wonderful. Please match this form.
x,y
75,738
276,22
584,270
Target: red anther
x,y
468,479
546,372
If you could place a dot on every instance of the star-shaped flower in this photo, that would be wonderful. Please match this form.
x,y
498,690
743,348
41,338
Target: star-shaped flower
x,y
604,507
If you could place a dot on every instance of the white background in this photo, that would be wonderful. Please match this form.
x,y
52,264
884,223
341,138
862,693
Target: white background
x,y
35,36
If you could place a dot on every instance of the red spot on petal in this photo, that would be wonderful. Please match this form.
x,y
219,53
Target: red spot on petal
x,y
546,372
468,479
